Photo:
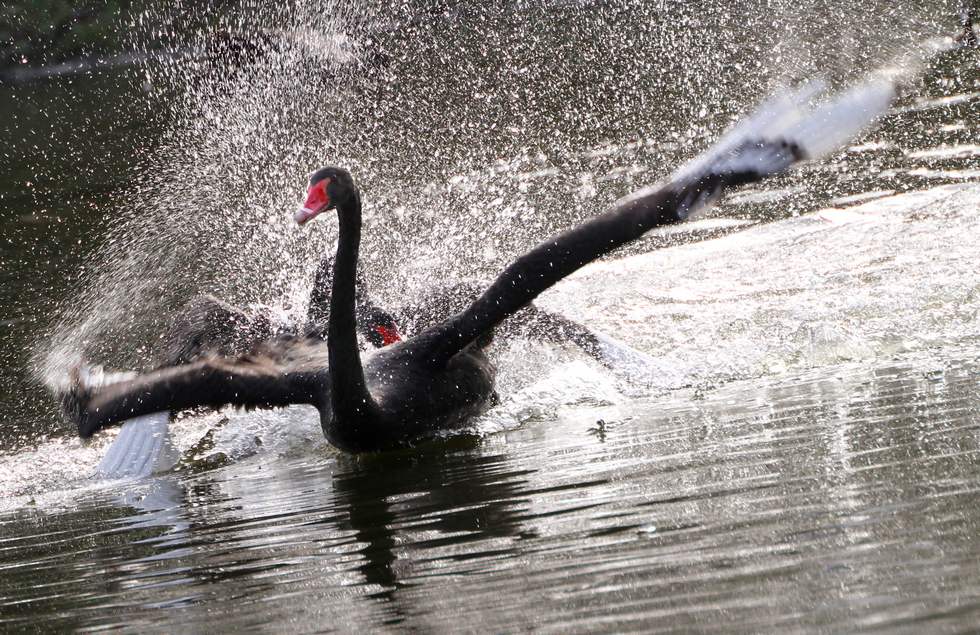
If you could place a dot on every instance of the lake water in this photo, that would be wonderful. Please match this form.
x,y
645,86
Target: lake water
x,y
806,460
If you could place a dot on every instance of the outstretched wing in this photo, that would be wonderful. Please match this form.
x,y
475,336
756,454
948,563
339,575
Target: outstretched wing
x,y
296,377
782,132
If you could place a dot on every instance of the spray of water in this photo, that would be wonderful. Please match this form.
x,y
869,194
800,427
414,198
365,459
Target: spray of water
x,y
474,131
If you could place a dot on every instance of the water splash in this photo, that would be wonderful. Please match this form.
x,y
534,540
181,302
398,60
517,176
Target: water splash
x,y
474,132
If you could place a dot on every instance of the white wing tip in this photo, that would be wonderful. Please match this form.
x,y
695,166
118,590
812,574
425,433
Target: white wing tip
x,y
798,118
829,126
142,447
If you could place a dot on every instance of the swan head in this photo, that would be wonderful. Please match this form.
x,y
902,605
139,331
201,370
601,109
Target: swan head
x,y
380,328
330,187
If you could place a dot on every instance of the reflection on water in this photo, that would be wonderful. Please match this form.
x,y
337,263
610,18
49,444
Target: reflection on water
x,y
839,498
811,460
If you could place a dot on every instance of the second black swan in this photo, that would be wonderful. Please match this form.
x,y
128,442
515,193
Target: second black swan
x,y
207,326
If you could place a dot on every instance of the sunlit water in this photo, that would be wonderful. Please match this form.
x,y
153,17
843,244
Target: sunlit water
x,y
806,457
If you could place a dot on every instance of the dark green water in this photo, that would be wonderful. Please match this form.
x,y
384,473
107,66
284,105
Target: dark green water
x,y
67,158
810,464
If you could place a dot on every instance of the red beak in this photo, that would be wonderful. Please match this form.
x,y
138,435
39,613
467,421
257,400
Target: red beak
x,y
317,200
388,335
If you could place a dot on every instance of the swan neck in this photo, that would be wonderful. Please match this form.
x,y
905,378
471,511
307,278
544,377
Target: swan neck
x,y
349,392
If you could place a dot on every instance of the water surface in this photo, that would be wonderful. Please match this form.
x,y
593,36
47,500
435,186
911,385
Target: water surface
x,y
805,459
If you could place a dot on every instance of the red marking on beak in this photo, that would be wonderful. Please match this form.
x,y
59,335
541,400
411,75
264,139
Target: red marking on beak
x,y
388,335
317,200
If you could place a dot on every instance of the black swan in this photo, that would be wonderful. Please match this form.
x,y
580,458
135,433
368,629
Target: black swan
x,y
207,326
440,379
